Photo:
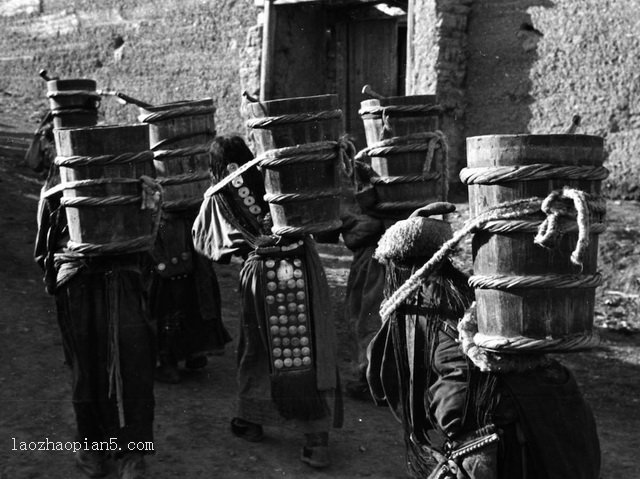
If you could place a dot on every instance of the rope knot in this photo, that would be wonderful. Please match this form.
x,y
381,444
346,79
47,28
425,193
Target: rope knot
x,y
151,193
557,205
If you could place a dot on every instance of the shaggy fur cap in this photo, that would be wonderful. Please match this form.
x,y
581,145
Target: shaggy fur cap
x,y
415,240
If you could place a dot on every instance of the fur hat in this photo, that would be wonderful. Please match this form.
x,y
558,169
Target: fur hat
x,y
415,240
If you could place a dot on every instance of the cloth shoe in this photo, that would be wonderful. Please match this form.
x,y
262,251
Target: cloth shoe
x,y
167,370
196,362
92,463
315,452
249,431
132,466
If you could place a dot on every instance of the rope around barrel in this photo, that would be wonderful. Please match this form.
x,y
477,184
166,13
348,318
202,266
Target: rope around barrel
x,y
536,281
283,198
317,151
178,112
269,121
416,142
523,344
150,198
104,160
184,178
307,229
210,134
491,175
400,110
514,210
186,151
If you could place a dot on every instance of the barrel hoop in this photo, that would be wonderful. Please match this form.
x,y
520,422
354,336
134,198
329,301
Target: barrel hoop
x,y
184,136
68,185
536,281
426,178
523,344
400,110
134,245
295,197
79,93
179,112
305,230
269,121
184,178
512,210
492,175
104,160
186,151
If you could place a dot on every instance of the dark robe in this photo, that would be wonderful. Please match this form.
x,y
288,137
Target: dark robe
x,y
185,295
417,367
107,334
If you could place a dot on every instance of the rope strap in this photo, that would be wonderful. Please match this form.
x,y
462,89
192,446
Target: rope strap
x,y
182,152
342,149
400,110
210,134
269,121
492,175
514,210
531,226
536,281
104,160
178,112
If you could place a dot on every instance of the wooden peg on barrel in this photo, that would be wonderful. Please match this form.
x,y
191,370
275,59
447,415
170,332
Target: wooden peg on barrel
x,y
248,97
575,123
368,90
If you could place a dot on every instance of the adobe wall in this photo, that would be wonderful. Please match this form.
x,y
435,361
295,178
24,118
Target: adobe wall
x,y
74,38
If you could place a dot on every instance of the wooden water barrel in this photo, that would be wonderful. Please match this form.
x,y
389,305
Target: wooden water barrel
x,y
73,102
100,168
180,134
403,185
528,295
302,176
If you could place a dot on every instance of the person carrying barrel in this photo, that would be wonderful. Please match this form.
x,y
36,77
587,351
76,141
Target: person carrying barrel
x,y
107,336
361,231
286,358
466,413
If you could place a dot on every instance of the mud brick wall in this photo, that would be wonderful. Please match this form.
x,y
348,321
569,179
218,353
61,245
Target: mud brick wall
x,y
534,64
173,50
438,56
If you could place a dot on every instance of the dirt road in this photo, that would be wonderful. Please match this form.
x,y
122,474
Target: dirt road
x,y
192,437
